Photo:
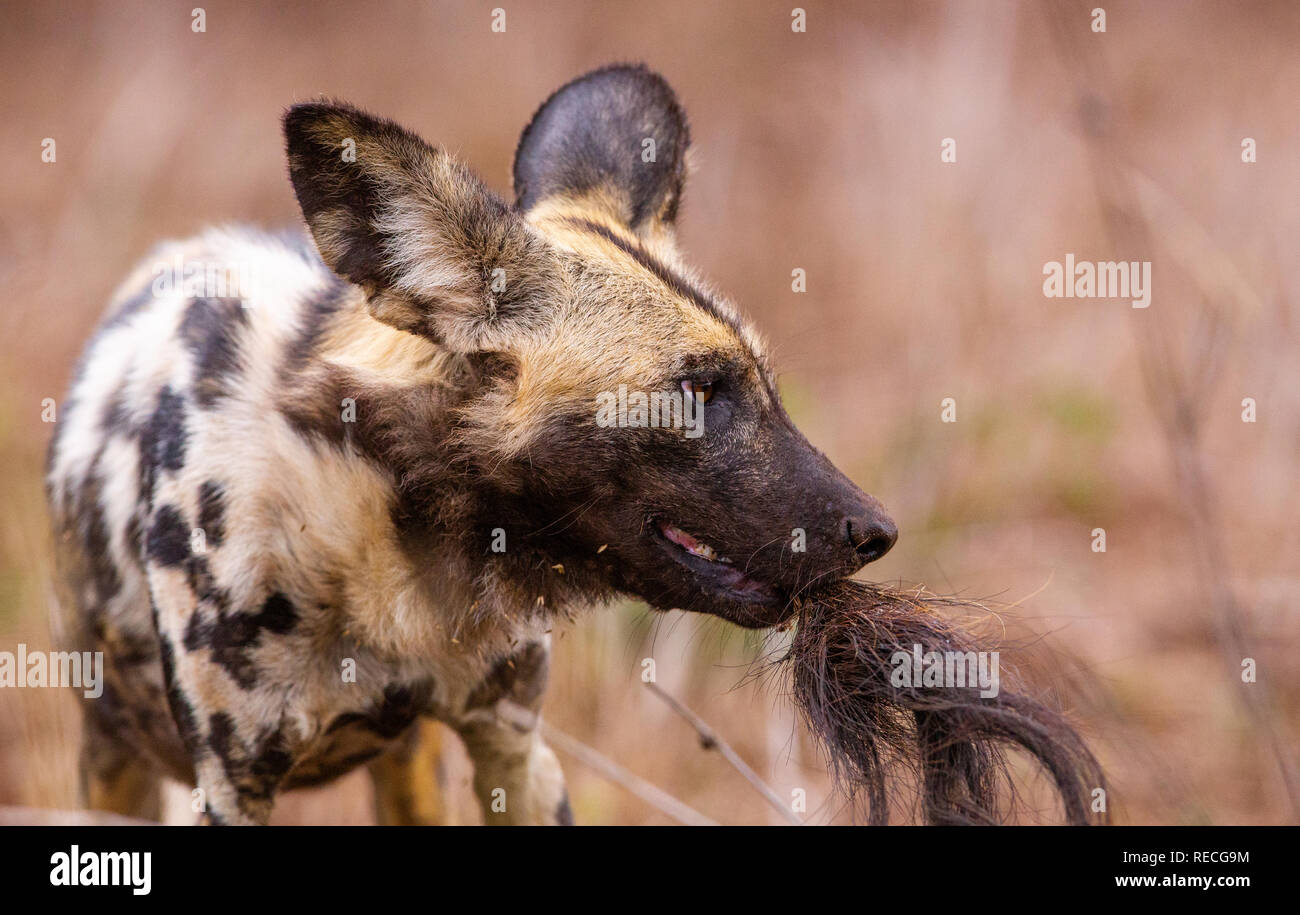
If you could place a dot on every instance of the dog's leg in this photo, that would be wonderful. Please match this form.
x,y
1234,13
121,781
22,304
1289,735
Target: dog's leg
x,y
115,779
517,778
240,747
230,714
409,788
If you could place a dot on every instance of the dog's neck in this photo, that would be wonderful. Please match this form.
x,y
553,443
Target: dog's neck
x,y
408,407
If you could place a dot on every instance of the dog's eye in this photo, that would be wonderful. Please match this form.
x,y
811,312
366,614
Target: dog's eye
x,y
698,391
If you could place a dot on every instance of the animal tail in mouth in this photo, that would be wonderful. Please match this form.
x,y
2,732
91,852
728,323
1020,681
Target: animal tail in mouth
x,y
850,641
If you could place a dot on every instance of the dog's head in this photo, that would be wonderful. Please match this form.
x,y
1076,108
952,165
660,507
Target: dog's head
x,y
636,417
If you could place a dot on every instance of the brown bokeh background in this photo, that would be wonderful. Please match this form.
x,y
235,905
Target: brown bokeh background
x,y
818,151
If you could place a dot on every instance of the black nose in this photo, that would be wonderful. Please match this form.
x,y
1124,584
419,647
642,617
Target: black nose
x,y
870,537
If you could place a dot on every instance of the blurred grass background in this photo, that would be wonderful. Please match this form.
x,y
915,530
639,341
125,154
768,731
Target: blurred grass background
x,y
818,151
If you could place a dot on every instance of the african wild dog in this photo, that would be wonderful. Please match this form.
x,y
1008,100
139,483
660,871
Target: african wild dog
x,y
384,460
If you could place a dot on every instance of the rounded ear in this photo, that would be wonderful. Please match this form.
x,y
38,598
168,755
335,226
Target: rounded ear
x,y
615,139
437,252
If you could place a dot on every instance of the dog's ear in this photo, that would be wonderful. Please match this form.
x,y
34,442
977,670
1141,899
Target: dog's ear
x,y
437,252
615,139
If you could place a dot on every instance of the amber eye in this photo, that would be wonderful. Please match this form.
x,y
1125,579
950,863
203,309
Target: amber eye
x,y
699,391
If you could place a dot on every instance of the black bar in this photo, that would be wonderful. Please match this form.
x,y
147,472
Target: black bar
x,y
874,866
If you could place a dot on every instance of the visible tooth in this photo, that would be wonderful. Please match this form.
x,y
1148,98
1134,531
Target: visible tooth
x,y
704,551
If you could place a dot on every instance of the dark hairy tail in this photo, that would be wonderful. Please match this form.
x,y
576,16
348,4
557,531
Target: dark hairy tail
x,y
843,659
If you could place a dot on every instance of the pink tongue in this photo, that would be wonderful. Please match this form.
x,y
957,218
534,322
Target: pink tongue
x,y
732,577
681,538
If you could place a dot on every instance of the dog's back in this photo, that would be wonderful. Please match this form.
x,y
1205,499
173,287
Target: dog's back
x,y
179,374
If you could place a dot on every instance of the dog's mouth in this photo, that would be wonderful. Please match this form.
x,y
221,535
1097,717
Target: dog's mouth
x,y
715,573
